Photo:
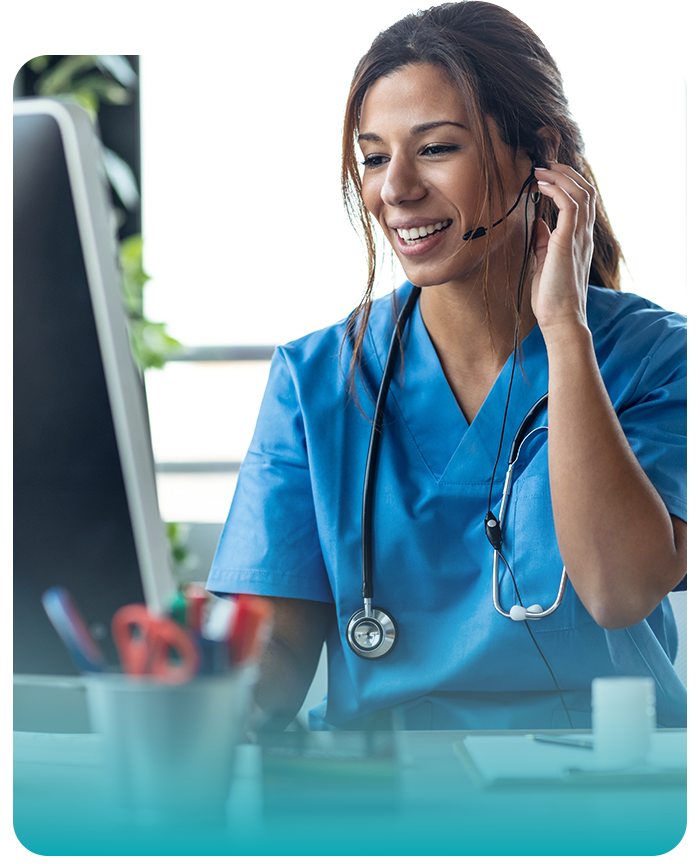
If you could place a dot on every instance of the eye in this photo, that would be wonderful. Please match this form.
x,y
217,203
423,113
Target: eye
x,y
374,161
438,149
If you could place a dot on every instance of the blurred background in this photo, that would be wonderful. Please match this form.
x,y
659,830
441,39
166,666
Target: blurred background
x,y
248,244
223,148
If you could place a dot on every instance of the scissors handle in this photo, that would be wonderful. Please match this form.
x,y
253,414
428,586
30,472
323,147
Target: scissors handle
x,y
145,643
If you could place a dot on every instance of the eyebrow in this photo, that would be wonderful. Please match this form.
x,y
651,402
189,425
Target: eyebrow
x,y
415,130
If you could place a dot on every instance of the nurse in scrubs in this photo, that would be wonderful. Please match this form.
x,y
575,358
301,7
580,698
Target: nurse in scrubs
x,y
459,147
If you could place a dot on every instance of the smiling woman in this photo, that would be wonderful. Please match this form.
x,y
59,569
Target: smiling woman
x,y
413,154
510,329
504,96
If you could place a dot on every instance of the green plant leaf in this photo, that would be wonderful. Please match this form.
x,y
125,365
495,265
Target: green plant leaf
x,y
38,64
104,88
122,179
60,78
181,556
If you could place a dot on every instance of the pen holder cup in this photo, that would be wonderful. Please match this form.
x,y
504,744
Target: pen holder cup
x,y
169,749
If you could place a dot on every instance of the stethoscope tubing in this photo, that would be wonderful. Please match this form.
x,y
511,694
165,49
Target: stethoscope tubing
x,y
523,433
373,448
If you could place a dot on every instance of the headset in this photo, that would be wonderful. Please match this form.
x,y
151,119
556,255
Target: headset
x,y
371,632
476,233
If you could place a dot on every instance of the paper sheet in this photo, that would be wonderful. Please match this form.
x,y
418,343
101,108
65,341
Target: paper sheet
x,y
499,759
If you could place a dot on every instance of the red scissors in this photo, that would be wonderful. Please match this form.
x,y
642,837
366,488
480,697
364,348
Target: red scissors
x,y
150,645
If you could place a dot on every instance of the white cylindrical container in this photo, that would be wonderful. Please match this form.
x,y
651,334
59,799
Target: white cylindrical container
x,y
624,719
169,749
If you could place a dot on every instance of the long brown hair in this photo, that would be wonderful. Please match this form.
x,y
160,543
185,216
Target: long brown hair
x,y
503,72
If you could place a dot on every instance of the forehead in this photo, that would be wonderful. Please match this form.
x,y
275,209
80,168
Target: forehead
x,y
412,95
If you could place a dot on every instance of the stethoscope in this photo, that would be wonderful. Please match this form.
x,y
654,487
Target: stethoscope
x,y
494,530
371,632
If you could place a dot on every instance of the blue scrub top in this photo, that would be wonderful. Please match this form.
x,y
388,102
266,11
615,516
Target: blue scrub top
x,y
294,525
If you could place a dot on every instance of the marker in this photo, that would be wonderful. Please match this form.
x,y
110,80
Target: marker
x,y
178,608
251,628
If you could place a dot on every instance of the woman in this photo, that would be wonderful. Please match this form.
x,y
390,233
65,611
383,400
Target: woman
x,y
474,170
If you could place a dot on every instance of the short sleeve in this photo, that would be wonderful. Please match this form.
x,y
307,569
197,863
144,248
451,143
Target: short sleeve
x,y
270,543
654,416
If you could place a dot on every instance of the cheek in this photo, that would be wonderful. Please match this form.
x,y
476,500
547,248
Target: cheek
x,y
469,194
372,193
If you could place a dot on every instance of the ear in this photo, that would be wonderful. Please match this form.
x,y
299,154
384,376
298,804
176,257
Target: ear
x,y
550,139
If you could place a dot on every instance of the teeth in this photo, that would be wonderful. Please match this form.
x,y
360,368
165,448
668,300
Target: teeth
x,y
423,231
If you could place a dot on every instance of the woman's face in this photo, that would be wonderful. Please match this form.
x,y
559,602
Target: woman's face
x,y
422,180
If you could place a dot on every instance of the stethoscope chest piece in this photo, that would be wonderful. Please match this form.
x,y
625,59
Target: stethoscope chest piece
x,y
371,635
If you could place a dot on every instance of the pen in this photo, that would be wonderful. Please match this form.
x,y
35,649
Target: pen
x,y
213,642
563,740
69,624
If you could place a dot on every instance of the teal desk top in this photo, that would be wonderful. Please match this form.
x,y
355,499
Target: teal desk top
x,y
326,795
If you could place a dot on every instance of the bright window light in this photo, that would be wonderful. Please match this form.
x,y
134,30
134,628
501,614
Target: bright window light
x,y
245,233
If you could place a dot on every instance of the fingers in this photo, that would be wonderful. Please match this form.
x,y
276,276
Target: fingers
x,y
572,193
567,176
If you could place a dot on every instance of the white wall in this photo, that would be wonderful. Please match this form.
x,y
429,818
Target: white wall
x,y
247,138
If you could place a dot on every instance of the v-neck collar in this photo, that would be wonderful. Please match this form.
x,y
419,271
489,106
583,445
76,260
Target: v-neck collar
x,y
454,450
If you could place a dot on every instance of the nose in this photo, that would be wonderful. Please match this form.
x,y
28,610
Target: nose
x,y
402,182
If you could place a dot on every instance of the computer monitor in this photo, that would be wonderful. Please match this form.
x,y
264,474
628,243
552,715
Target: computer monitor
x,y
85,504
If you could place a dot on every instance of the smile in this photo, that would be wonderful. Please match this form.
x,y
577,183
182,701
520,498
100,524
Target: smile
x,y
412,236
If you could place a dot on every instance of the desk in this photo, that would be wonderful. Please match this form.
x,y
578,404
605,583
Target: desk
x,y
432,807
